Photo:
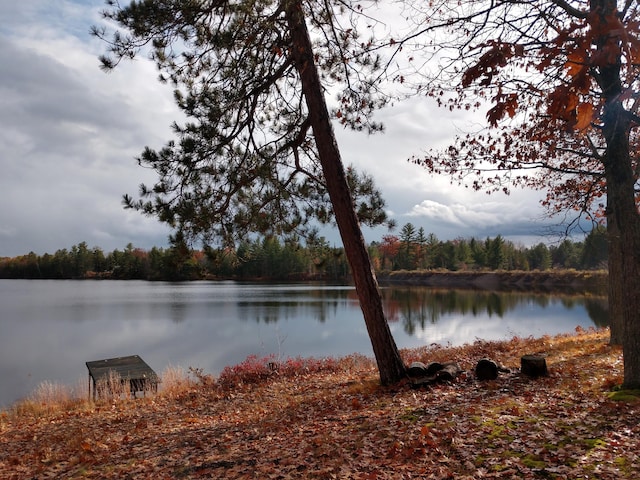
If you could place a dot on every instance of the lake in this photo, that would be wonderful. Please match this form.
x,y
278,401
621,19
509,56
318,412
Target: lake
x,y
50,328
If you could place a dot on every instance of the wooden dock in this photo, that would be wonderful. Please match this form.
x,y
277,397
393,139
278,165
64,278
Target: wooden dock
x,y
132,370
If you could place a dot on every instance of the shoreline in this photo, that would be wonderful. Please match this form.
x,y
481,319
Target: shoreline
x,y
536,281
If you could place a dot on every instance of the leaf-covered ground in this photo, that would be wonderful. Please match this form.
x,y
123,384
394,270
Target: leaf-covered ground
x,y
337,422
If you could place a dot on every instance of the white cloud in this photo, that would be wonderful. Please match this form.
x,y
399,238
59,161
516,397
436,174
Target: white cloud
x,y
435,211
474,216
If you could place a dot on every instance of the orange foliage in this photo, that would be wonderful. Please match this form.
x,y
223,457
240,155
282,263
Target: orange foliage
x,y
545,89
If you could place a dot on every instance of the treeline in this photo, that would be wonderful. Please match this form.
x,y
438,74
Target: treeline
x,y
415,250
267,258
273,259
83,262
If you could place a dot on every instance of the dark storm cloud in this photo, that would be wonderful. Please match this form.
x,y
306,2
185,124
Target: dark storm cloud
x,y
68,155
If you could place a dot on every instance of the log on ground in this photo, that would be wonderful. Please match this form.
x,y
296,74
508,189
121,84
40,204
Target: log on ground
x,y
533,365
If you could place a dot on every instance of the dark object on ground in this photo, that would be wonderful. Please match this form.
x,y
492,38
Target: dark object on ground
x,y
419,369
435,372
449,372
533,365
486,369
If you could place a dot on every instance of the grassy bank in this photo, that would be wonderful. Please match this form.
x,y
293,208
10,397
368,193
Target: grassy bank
x,y
308,418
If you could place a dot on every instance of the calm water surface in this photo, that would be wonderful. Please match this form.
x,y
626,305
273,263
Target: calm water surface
x,y
49,329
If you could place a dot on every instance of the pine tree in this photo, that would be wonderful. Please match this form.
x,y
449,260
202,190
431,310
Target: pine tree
x,y
258,153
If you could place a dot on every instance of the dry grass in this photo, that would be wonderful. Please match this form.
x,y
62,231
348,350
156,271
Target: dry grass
x,y
175,380
52,397
111,387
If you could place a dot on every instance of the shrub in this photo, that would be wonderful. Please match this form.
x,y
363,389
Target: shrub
x,y
255,369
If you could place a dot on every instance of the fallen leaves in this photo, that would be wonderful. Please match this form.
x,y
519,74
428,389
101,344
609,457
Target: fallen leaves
x,y
338,423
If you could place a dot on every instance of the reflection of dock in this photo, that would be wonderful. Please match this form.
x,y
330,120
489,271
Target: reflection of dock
x,y
132,370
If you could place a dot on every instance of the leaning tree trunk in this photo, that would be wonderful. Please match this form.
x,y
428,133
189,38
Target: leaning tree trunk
x,y
623,220
390,365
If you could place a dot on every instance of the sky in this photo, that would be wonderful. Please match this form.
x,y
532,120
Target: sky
x,y
70,133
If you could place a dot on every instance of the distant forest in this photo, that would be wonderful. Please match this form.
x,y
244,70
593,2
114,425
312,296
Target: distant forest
x,y
271,258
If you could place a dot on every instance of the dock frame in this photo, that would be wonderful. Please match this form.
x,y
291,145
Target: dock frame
x,y
132,370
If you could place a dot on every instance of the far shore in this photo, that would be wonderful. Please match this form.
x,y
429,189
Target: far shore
x,y
543,281
540,281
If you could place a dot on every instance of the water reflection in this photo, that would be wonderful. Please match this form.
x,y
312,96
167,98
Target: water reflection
x,y
417,307
320,304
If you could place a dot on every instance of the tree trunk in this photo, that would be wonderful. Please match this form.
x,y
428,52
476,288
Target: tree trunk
x,y
623,220
614,262
486,369
390,365
623,226
533,365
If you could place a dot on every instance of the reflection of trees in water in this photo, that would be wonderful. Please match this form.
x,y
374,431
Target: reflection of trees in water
x,y
318,304
419,307
414,307
598,310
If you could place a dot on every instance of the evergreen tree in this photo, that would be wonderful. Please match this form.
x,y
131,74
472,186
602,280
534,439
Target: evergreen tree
x,y
495,253
98,260
432,251
595,251
464,257
478,253
407,250
258,153
421,245
567,254
539,257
